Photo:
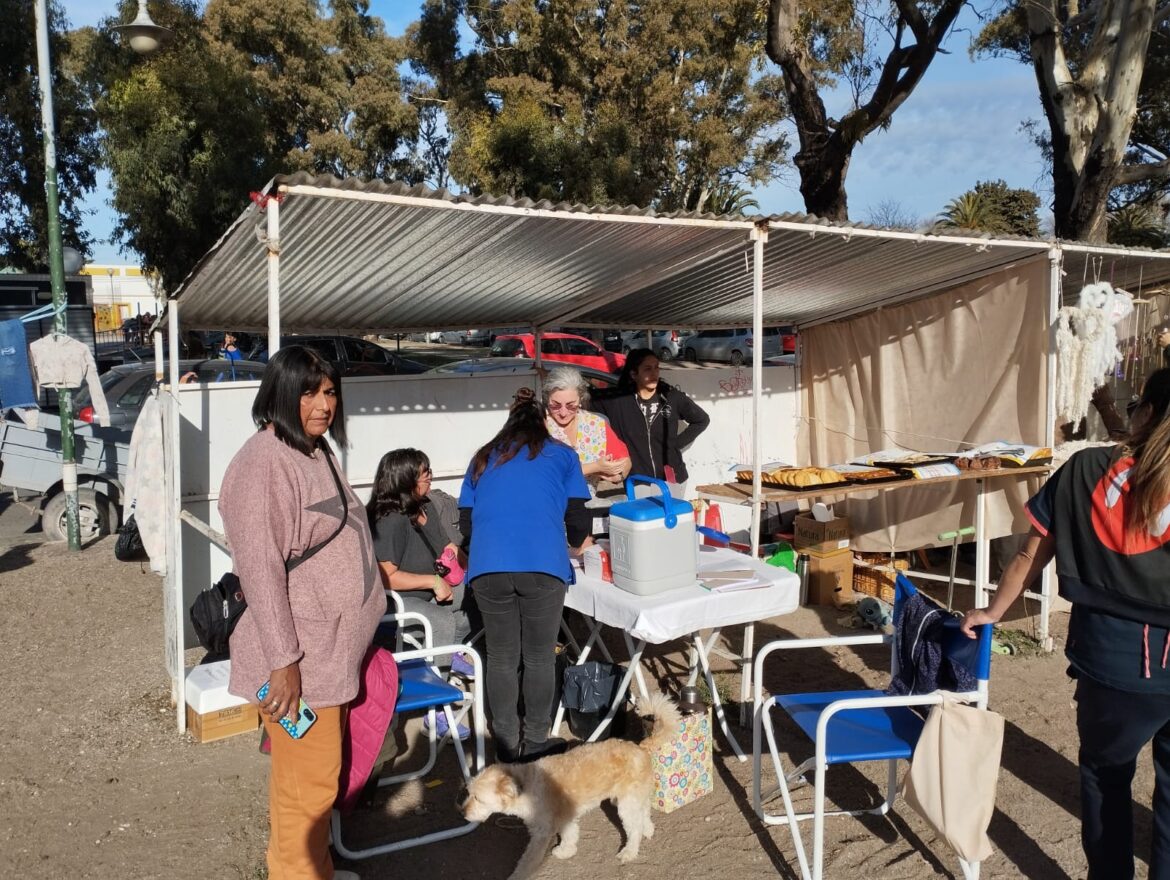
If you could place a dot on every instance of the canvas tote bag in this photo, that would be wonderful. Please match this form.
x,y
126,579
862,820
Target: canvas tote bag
x,y
953,775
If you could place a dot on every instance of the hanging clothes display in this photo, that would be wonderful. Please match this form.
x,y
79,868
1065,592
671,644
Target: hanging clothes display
x,y
64,362
16,382
145,482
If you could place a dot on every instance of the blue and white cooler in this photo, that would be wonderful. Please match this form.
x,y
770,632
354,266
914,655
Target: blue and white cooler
x,y
653,546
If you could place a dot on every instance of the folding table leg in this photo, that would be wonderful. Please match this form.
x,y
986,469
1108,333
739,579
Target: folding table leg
x,y
745,673
716,702
642,689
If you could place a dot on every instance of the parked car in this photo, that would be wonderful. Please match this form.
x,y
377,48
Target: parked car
x,y
126,386
358,357
667,344
560,347
517,365
30,457
736,345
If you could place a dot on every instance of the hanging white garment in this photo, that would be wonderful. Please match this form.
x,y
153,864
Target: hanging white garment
x,y
145,482
64,362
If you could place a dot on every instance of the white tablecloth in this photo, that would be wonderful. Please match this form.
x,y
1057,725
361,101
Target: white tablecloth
x,y
677,613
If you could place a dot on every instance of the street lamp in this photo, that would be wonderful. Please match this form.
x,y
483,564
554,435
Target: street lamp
x,y
144,36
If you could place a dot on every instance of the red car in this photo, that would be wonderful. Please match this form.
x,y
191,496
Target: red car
x,y
562,347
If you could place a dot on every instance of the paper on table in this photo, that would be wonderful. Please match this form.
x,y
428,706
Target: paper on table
x,y
730,581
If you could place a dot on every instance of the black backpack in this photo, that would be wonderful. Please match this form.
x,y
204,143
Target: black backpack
x,y
215,612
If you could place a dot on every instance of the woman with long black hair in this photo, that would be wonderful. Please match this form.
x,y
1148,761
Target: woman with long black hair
x,y
522,507
646,413
409,539
1105,516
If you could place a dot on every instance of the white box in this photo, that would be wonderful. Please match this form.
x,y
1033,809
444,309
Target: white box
x,y
206,689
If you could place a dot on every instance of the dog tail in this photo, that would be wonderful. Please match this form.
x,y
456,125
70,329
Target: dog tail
x,y
666,721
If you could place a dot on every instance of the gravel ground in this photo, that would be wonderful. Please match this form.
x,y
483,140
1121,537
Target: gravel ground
x,y
95,782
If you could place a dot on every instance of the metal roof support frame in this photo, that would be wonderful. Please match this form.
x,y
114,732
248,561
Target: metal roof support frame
x,y
173,618
273,246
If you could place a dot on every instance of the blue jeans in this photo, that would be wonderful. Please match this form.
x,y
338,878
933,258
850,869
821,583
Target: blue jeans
x,y
521,618
1113,726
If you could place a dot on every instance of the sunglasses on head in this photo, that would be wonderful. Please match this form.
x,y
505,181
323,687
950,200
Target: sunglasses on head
x,y
568,407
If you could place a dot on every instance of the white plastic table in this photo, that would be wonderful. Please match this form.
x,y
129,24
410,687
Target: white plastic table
x,y
678,614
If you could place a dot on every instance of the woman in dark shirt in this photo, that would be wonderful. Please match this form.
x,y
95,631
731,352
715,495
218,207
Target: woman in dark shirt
x,y
408,537
1105,516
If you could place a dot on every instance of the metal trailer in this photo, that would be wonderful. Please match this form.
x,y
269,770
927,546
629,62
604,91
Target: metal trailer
x,y
30,464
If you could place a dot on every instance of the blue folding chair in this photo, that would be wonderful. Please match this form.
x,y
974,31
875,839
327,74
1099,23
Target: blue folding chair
x,y
422,688
849,727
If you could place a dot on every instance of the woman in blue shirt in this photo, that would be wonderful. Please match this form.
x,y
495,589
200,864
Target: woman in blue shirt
x,y
522,506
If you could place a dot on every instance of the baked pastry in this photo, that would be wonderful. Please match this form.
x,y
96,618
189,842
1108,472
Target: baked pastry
x,y
872,474
801,478
978,462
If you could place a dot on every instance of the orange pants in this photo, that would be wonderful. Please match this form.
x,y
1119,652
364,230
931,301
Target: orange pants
x,y
302,785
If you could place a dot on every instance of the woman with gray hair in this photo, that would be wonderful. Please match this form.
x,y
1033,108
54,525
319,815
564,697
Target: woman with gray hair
x,y
602,453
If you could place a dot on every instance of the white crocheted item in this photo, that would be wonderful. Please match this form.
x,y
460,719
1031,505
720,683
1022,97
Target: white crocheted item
x,y
1086,349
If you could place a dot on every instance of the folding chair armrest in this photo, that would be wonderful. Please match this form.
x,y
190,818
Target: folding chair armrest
x,y
934,698
790,644
411,617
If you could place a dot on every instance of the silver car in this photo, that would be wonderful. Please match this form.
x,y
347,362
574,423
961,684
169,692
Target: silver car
x,y
667,344
734,346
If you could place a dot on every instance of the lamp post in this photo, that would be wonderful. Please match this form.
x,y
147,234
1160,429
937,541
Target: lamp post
x,y
144,36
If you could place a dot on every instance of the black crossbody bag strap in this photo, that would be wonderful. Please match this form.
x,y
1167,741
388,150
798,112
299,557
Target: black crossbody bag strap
x,y
314,550
430,547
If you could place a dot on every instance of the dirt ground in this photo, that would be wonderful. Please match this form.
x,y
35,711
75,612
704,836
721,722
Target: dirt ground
x,y
95,782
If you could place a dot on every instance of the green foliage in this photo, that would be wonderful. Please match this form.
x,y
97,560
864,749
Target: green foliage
x,y
652,103
1138,226
995,208
248,89
23,211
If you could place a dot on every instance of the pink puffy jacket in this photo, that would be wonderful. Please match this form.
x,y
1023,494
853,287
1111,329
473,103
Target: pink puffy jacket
x,y
369,719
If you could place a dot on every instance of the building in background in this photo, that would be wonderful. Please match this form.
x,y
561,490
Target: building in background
x,y
119,292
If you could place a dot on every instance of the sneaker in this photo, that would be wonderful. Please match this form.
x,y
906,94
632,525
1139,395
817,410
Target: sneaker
x,y
442,728
265,743
462,667
345,875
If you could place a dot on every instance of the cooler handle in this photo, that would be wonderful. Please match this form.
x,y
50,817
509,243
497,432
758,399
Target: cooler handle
x,y
670,516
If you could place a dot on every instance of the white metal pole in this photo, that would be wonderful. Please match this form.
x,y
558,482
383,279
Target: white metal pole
x,y
759,239
1056,258
273,209
175,623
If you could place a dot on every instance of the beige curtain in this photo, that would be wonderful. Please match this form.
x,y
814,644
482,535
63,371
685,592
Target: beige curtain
x,y
940,374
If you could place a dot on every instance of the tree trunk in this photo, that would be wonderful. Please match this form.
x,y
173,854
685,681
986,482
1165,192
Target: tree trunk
x,y
823,163
1092,113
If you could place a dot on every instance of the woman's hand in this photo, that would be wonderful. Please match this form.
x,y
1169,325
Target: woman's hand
x,y
442,591
615,469
973,618
284,693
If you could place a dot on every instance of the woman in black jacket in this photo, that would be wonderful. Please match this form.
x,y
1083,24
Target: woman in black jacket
x,y
645,413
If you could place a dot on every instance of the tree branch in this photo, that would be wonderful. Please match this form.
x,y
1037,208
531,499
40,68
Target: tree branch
x,y
1130,174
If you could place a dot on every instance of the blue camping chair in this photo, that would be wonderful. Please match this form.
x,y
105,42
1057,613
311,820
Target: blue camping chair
x,y
851,727
422,688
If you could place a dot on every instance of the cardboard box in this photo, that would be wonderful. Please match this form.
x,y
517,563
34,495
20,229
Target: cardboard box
x,y
830,579
682,769
222,723
213,713
820,538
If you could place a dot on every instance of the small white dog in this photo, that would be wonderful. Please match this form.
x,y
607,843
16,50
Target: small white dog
x,y
552,794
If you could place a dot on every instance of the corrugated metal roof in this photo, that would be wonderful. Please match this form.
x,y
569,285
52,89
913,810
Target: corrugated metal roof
x,y
370,255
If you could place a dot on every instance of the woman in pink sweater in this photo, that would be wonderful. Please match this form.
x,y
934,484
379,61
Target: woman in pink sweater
x,y
306,627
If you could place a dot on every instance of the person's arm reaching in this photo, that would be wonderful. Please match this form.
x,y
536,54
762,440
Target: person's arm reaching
x,y
578,522
1024,568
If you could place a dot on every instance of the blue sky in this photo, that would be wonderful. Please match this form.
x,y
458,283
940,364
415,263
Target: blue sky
x,y
961,125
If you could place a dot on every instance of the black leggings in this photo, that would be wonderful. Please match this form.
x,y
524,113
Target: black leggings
x,y
1114,726
521,618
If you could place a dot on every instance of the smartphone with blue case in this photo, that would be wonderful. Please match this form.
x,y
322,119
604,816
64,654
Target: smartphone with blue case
x,y
305,716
